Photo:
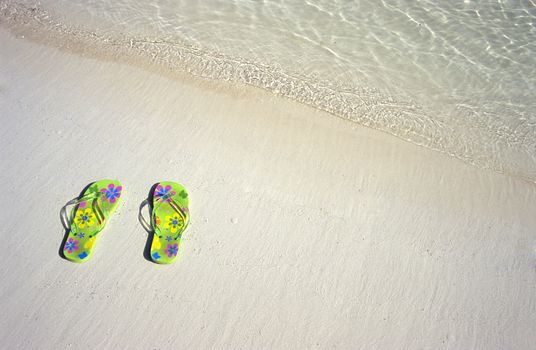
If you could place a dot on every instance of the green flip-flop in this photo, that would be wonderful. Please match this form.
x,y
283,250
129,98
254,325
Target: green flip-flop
x,y
89,216
169,219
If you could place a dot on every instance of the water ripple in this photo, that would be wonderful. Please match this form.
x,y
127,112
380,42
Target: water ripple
x,y
457,78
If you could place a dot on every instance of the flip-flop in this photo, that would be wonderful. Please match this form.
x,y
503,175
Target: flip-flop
x,y
88,217
169,219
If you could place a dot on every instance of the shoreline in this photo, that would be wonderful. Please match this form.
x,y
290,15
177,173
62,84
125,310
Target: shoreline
x,y
502,150
307,231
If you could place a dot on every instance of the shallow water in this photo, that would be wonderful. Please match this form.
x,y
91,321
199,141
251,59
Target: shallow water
x,y
457,77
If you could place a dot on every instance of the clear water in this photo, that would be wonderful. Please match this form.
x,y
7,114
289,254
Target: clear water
x,y
458,77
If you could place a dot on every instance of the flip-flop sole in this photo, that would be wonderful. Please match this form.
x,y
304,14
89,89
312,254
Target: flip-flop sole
x,y
89,217
170,218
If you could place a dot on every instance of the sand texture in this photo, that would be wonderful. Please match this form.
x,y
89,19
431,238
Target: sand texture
x,y
307,231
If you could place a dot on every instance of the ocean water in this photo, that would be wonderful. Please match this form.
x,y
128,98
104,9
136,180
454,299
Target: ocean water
x,y
455,76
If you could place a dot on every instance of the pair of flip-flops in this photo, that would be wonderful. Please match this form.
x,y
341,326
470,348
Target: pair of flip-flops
x,y
169,219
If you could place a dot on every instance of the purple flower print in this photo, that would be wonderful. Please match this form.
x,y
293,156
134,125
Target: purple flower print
x,y
111,193
164,193
172,250
71,245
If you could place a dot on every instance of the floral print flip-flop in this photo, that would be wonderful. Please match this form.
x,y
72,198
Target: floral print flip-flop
x,y
169,219
88,217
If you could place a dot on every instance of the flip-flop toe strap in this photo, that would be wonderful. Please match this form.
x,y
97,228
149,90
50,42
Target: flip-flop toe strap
x,y
185,216
99,215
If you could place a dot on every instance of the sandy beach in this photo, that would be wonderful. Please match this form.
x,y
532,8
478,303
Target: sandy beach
x,y
308,231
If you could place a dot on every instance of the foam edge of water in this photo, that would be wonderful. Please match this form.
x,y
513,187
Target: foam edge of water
x,y
364,105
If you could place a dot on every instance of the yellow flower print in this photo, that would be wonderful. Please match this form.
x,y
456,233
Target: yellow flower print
x,y
173,223
85,218
89,243
156,243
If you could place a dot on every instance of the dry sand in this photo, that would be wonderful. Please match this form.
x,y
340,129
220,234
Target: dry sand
x,y
308,231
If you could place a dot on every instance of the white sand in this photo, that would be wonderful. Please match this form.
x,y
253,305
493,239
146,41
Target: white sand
x,y
308,231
